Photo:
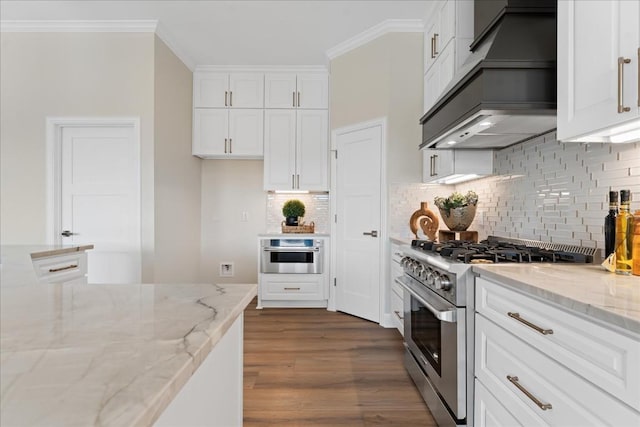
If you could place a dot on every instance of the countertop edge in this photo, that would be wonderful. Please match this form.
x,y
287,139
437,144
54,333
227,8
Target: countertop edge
x,y
182,376
60,251
589,311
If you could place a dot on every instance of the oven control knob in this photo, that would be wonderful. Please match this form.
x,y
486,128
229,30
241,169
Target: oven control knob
x,y
404,261
431,275
419,270
443,282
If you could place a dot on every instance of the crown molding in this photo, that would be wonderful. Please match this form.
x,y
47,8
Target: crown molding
x,y
83,26
388,26
264,68
100,26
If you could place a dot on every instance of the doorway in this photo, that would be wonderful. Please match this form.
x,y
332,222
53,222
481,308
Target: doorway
x,y
359,218
94,193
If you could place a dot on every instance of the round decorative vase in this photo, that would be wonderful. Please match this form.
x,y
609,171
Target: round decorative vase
x,y
458,219
291,221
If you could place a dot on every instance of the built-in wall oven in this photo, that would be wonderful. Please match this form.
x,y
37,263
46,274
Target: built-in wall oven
x,y
294,256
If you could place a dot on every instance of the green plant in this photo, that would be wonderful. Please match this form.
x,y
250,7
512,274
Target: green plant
x,y
456,200
293,208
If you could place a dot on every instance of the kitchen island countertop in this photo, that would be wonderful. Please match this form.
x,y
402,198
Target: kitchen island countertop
x,y
586,289
109,355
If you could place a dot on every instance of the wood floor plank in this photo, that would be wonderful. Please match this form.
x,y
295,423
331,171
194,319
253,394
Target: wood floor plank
x,y
312,367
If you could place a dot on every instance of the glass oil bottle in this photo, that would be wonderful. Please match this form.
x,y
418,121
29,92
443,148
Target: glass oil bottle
x,y
624,235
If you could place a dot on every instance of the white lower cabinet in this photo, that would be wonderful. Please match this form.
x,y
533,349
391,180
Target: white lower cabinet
x,y
537,364
292,290
396,293
62,268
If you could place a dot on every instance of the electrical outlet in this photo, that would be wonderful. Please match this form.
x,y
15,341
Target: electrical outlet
x,y
226,269
245,216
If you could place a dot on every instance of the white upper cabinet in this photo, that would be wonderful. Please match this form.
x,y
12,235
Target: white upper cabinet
x,y
449,32
598,70
285,90
231,90
453,166
220,133
296,150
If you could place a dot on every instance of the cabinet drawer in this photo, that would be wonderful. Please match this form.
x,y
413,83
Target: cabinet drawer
x,y
605,357
61,268
573,400
489,412
397,311
292,286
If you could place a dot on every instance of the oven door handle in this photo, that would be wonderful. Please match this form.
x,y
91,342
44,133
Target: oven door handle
x,y
285,249
444,315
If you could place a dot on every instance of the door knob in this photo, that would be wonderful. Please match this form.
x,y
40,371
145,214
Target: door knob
x,y
67,233
372,233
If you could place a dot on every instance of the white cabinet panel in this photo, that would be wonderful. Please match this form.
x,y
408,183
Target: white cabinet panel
x,y
312,157
441,166
296,150
225,133
595,36
62,268
489,412
292,287
220,90
308,91
279,149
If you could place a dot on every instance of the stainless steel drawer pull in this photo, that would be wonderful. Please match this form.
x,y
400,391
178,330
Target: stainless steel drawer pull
x,y
529,324
68,267
226,97
543,406
231,99
398,314
291,289
294,99
621,62
435,44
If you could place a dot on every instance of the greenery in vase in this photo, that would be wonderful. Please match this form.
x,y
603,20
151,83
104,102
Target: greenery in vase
x,y
293,209
456,200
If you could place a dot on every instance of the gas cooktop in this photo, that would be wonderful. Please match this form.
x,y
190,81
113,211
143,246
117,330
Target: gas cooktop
x,y
504,250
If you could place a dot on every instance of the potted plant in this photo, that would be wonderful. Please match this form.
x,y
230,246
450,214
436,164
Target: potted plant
x,y
457,210
293,210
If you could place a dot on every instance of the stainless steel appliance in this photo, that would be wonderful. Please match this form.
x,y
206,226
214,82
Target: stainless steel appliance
x,y
438,313
292,256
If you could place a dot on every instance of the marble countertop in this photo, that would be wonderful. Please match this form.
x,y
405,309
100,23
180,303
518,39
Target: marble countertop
x,y
108,355
587,289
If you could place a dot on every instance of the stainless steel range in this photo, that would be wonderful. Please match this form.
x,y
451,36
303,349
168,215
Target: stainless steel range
x,y
438,313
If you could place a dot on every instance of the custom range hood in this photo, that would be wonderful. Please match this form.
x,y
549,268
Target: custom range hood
x,y
505,92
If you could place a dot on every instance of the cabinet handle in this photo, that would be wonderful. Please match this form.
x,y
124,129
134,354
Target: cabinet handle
x,y
529,324
68,267
431,166
298,99
432,47
230,145
294,98
435,172
298,181
291,289
231,99
225,146
435,44
226,97
621,62
398,314
293,181
514,381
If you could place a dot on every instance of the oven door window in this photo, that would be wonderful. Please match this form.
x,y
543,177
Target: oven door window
x,y
426,333
292,257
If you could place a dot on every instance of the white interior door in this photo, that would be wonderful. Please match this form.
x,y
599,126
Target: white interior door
x,y
100,199
358,227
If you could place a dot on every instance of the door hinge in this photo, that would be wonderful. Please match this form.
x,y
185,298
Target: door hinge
x,y
335,283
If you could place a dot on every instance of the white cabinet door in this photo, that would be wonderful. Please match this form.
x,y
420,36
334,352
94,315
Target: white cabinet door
x,y
489,412
246,132
429,42
446,22
312,150
279,149
246,90
280,90
431,86
210,130
439,76
595,35
313,91
210,90
437,164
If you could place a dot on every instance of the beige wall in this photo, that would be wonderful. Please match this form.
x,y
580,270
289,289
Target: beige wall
x,y
230,187
177,173
384,79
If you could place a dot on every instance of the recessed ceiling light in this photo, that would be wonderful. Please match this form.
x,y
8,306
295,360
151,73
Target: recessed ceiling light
x,y
485,123
452,142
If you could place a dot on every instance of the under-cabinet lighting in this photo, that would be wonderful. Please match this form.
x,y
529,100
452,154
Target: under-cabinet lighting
x,y
632,135
628,132
291,192
457,178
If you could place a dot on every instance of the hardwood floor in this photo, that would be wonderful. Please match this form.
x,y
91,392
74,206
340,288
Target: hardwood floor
x,y
312,367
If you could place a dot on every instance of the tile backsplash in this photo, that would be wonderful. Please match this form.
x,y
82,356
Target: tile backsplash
x,y
316,210
553,191
541,189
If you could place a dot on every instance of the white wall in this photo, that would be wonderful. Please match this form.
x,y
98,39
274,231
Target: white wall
x,y
230,187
